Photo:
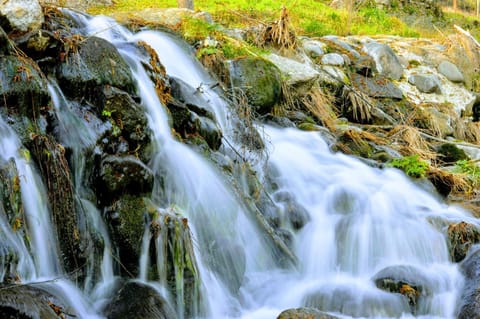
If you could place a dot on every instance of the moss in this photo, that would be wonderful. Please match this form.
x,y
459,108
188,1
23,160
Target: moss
x,y
412,165
450,153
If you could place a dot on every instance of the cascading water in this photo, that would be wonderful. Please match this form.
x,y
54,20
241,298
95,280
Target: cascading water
x,y
363,222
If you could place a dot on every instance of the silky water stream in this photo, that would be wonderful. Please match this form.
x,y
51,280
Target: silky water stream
x,y
362,221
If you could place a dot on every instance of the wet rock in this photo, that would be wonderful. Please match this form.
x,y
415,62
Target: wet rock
x,y
461,236
386,61
260,81
426,83
356,302
209,130
22,15
126,218
6,47
75,243
88,63
294,213
129,133
305,313
39,45
408,281
124,175
469,304
377,87
333,59
22,86
137,300
451,72
449,153
28,302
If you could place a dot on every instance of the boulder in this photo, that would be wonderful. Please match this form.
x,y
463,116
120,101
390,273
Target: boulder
x,y
469,304
23,86
451,72
377,87
81,5
6,47
333,59
22,15
314,48
364,65
450,153
88,63
305,313
386,61
296,74
461,236
425,83
137,300
121,175
259,79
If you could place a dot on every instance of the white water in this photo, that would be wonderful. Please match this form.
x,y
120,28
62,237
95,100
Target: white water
x,y
362,219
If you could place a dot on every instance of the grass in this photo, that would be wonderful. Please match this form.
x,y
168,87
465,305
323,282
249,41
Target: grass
x,y
309,17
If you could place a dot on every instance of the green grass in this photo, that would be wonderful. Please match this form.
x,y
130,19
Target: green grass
x,y
412,165
308,17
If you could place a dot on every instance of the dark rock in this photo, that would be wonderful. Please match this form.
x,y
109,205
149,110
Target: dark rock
x,y
305,313
28,302
364,65
129,133
124,175
88,63
386,61
74,246
450,153
137,300
469,304
22,86
377,87
259,80
461,236
425,83
39,44
6,47
126,219
476,108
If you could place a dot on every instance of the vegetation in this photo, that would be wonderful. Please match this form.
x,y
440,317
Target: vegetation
x,y
412,165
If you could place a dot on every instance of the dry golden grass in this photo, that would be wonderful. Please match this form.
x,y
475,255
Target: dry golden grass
x,y
279,34
408,141
360,103
320,105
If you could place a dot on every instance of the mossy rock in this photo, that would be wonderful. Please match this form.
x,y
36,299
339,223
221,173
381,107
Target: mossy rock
x,y
450,153
305,313
260,81
89,63
23,86
461,236
127,224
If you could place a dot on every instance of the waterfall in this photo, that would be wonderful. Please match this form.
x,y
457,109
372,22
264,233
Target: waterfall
x,y
358,223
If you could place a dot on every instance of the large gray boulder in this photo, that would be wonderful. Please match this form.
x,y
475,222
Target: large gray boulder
x,y
81,5
451,72
386,61
296,74
378,87
425,83
22,15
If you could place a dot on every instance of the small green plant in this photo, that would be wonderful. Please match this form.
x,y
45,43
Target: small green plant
x,y
412,165
470,169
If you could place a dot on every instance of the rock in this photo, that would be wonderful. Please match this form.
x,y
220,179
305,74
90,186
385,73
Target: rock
x,y
38,45
314,48
299,75
28,302
260,81
469,303
23,86
333,59
81,5
126,221
405,280
476,108
377,87
6,47
338,45
425,83
332,76
207,129
122,175
451,72
89,63
356,302
386,61
138,300
450,153
129,132
364,65
22,15
305,313
461,236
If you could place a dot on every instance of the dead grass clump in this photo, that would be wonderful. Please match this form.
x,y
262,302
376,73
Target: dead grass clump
x,y
408,141
279,34
472,132
358,104
320,104
447,182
